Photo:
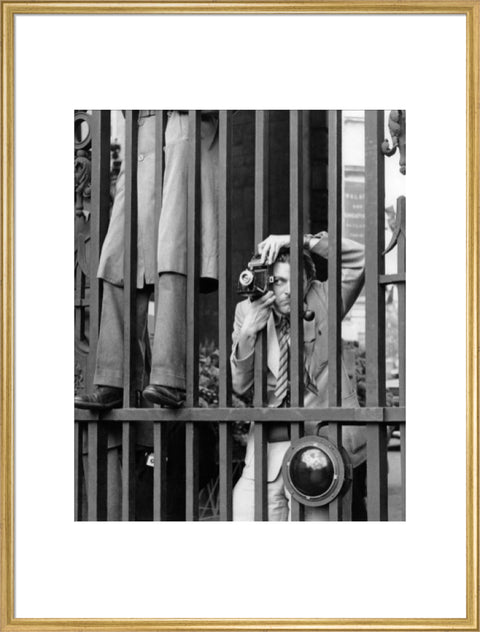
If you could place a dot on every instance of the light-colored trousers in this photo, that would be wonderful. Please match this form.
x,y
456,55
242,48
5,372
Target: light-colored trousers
x,y
278,502
278,496
169,341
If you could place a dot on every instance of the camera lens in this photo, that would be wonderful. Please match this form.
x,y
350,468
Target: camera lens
x,y
312,471
246,277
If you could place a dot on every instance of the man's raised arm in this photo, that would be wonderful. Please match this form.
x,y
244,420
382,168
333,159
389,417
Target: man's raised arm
x,y
250,318
352,262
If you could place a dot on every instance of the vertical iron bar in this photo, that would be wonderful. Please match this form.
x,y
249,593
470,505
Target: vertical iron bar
x,y
306,169
260,465
224,256
225,470
159,429
128,471
260,232
130,256
338,509
78,470
297,510
100,208
160,471
296,259
260,379
377,488
401,269
80,283
160,124
377,473
225,312
403,463
336,506
129,311
97,471
297,366
334,257
193,257
193,260
402,314
374,242
191,478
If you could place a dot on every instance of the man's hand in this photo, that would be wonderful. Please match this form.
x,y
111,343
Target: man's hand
x,y
255,320
257,316
268,248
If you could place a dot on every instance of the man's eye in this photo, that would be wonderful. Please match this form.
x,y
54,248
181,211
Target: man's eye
x,y
278,282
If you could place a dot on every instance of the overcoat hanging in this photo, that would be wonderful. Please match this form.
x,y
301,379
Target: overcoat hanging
x,y
172,231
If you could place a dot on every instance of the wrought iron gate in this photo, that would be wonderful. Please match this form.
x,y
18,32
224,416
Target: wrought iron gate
x,y
91,428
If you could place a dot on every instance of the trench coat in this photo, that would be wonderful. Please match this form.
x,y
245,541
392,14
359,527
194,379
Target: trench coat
x,y
171,255
315,335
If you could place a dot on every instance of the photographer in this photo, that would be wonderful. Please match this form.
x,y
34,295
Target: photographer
x,y
272,310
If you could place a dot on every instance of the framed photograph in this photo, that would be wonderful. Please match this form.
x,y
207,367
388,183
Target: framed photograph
x,y
242,340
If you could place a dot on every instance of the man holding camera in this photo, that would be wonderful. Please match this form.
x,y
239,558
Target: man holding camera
x,y
272,311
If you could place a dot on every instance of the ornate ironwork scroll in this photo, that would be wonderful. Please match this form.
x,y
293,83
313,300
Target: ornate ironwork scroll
x,y
397,128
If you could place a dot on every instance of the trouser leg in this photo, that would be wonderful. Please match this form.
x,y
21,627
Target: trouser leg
x,y
168,369
169,342
109,364
244,500
279,500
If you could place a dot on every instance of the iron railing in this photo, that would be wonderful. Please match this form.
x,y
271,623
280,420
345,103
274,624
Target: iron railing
x,y
91,428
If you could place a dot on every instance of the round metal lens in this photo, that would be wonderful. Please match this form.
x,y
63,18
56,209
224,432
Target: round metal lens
x,y
316,471
246,277
311,471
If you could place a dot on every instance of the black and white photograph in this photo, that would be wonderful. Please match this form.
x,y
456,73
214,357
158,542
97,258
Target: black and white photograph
x,y
240,302
242,341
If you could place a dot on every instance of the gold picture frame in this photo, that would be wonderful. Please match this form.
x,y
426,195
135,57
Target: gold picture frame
x,y
471,10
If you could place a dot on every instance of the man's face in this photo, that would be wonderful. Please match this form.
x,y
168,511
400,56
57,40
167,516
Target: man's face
x,y
281,287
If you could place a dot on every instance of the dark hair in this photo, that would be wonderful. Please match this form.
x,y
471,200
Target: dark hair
x,y
308,265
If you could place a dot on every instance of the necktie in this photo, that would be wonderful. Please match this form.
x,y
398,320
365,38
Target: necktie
x,y
281,389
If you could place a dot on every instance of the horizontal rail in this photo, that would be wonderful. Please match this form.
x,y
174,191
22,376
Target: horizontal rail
x,y
375,417
389,415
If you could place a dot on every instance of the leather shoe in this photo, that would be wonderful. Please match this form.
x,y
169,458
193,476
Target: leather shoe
x,y
167,396
102,398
